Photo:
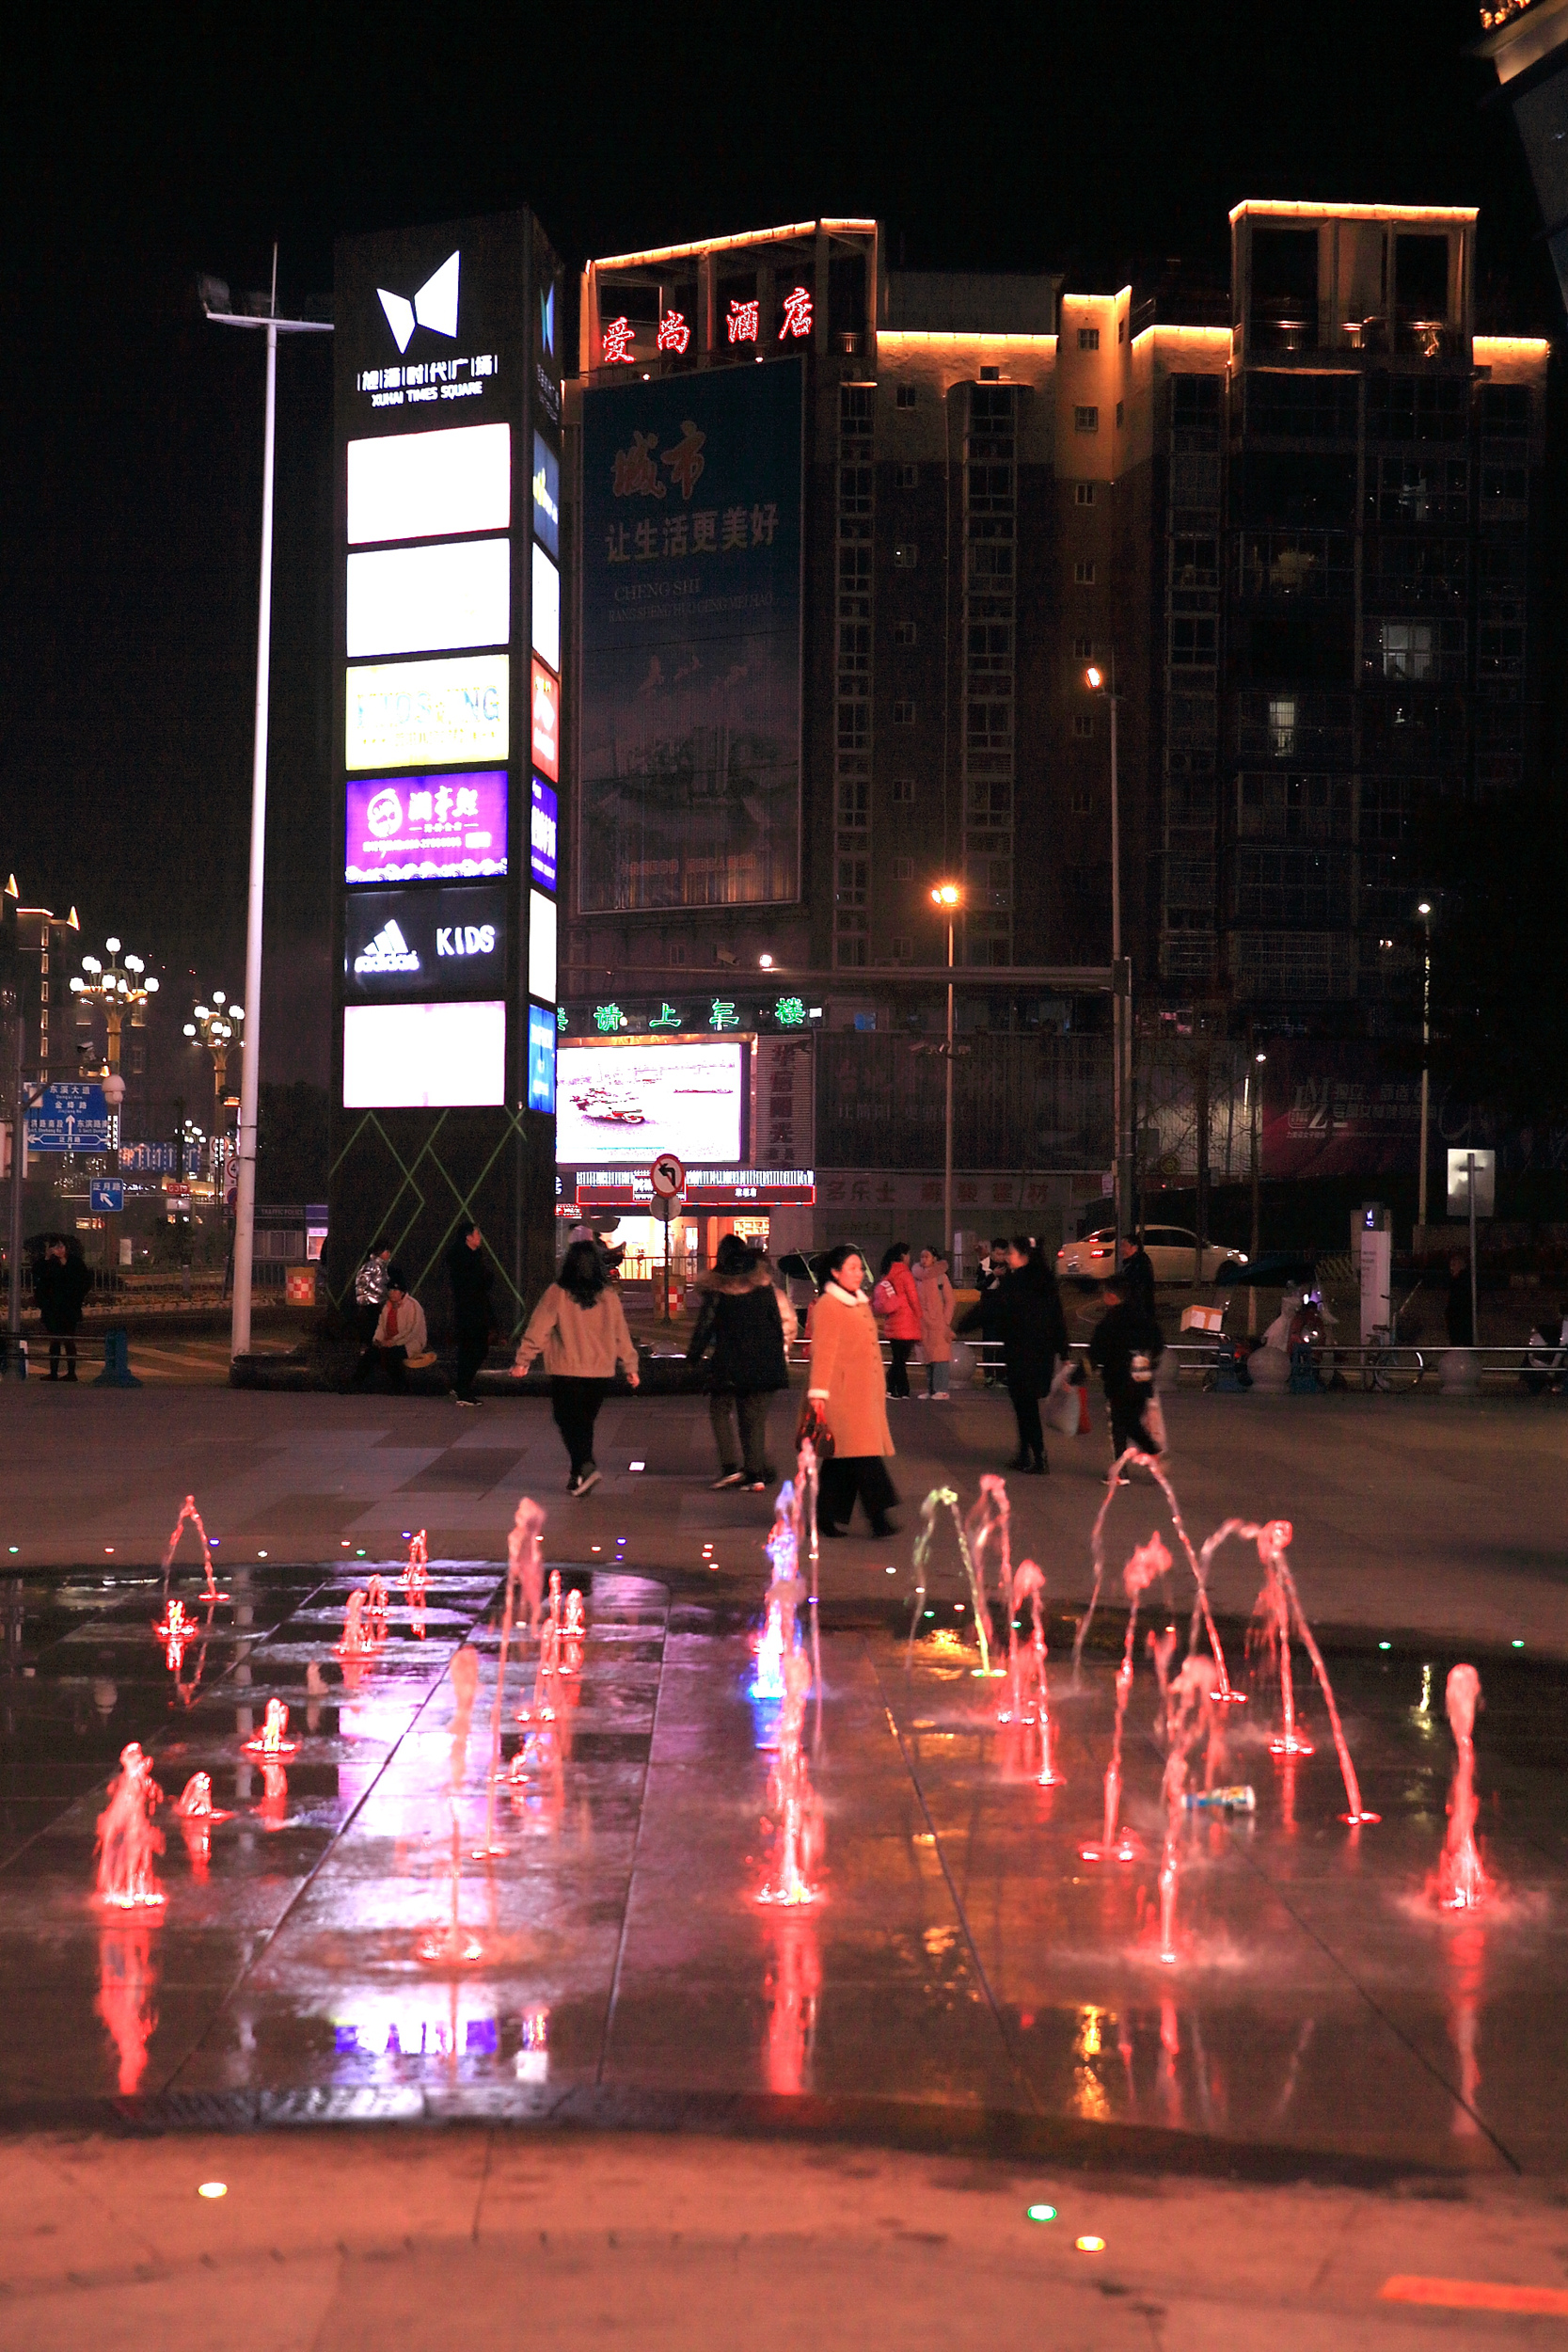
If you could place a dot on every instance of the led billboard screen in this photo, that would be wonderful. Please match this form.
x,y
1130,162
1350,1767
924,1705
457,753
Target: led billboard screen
x,y
547,610
541,947
425,828
425,943
544,830
617,1103
430,599
691,674
540,1059
546,496
409,714
424,1057
430,485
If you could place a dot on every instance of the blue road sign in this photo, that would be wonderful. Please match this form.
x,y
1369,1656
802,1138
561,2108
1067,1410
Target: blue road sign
x,y
107,1195
147,1159
68,1118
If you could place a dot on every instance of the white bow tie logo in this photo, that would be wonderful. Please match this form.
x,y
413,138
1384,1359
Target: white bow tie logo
x,y
434,306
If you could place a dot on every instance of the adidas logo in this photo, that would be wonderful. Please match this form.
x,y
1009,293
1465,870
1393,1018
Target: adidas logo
x,y
388,951
434,306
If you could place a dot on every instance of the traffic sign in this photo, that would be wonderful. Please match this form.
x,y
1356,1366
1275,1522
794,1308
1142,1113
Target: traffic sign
x,y
668,1175
665,1206
68,1118
107,1195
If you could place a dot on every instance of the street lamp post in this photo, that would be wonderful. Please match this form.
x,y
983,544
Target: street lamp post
x,y
215,302
1424,910
216,1028
122,986
1103,682
947,898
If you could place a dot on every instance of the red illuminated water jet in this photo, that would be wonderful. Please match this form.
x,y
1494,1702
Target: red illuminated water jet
x,y
127,1842
1187,1704
1147,1562
190,1516
271,1739
1461,1881
356,1639
792,1800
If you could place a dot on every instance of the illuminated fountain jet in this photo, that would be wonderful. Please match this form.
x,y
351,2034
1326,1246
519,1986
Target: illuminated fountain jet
x,y
190,1516
127,1842
1461,1881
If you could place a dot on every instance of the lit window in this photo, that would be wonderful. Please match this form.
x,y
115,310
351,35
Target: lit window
x,y
1085,420
1088,338
1083,493
1282,726
1408,647
1083,575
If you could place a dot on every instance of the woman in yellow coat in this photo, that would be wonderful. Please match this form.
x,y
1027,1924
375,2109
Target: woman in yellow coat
x,y
846,1392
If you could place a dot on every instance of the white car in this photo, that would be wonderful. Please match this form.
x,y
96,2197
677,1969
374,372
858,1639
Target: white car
x,y
1170,1249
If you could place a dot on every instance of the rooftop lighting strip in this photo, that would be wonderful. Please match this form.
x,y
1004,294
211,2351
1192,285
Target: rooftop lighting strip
x,y
729,245
958,335
1264,205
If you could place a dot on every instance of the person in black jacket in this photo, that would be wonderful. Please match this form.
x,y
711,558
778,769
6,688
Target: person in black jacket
x,y
1025,1312
61,1286
470,1281
1138,1279
1125,1349
740,1322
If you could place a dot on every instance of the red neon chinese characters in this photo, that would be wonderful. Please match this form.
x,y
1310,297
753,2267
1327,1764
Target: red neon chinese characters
x,y
673,332
617,341
742,322
797,312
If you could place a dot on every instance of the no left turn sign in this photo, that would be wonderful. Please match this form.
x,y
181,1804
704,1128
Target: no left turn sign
x,y
668,1175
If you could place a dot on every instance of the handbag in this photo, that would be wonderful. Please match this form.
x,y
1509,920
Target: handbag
x,y
813,1423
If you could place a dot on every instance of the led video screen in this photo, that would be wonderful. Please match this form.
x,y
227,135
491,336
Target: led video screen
x,y
408,714
430,485
546,496
426,828
430,599
424,1057
544,722
620,1104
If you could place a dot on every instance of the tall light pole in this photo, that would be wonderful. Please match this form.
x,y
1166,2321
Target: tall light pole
x,y
1424,910
217,302
947,898
1103,682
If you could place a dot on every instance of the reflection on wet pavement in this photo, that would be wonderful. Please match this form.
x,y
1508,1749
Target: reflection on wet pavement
x,y
344,1912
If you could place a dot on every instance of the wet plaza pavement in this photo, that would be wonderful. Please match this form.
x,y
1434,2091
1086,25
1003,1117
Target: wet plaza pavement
x,y
964,1975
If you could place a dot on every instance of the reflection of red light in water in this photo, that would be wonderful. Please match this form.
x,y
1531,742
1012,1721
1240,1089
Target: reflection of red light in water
x,y
273,1811
127,1981
1462,1882
271,1740
1467,1952
127,1842
791,1988
174,1630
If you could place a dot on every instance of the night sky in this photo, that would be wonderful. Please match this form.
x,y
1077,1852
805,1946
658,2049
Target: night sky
x,y
1101,144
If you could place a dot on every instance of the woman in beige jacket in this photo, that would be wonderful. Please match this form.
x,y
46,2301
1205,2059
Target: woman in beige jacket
x,y
936,1322
847,1390
580,1328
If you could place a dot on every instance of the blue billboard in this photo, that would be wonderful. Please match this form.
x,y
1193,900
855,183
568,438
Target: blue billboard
x,y
540,1059
690,711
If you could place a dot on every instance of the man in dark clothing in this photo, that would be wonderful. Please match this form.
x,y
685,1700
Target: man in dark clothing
x,y
1458,1314
1137,1277
1125,1349
470,1281
741,1321
1025,1311
61,1286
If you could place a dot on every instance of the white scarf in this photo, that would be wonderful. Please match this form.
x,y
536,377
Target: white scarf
x,y
850,1298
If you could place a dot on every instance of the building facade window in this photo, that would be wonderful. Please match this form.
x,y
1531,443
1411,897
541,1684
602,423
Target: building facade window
x,y
905,477
1083,725
906,555
904,396
903,712
1085,420
904,632
1088,338
1083,493
903,792
1083,574
854,674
